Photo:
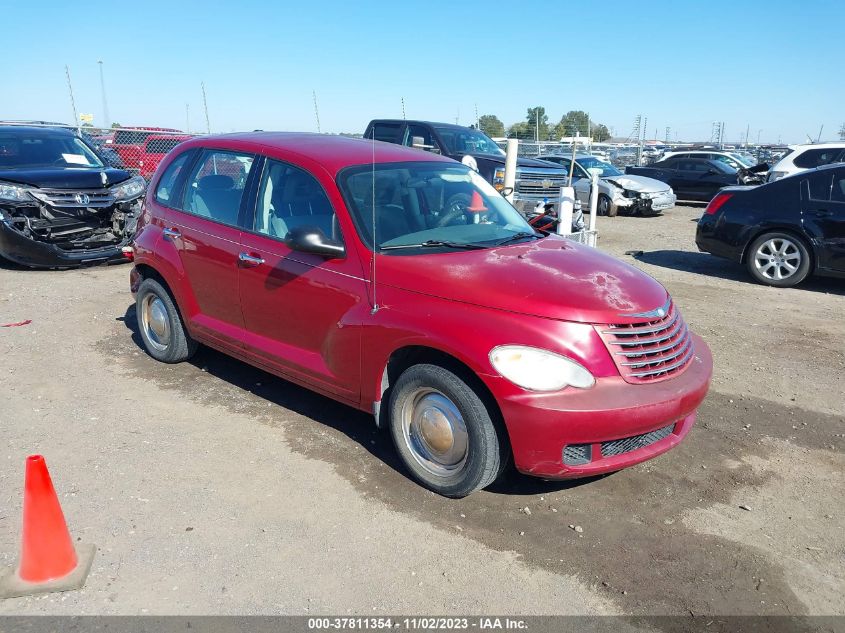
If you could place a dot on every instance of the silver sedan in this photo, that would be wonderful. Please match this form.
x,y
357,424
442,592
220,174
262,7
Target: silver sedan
x,y
617,191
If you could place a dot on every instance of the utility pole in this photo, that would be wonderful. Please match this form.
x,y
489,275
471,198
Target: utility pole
x,y
403,107
187,118
316,111
758,136
747,130
477,125
842,132
205,107
106,120
72,101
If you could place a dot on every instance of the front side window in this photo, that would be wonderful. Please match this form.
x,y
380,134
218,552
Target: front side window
x,y
289,198
837,192
418,205
216,185
165,190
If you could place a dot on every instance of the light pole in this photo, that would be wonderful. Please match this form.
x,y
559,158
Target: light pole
x,y
106,121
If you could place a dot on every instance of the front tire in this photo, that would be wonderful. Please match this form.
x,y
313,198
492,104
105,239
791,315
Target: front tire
x,y
606,207
160,324
443,432
778,259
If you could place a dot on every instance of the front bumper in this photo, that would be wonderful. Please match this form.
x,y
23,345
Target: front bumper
x,y
658,203
542,425
20,249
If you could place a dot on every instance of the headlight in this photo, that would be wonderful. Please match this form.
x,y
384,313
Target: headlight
x,y
470,162
14,193
539,370
499,178
629,194
129,189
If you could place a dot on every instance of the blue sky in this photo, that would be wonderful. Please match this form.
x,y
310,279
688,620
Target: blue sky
x,y
775,66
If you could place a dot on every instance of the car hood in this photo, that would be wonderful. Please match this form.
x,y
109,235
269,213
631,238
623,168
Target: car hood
x,y
639,184
554,278
59,178
521,162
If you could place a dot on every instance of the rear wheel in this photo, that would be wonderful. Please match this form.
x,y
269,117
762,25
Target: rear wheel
x,y
778,259
160,324
444,432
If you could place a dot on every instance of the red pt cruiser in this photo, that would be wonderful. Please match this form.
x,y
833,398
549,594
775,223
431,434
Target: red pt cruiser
x,y
402,283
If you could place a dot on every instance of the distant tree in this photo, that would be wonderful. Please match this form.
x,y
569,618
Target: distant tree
x,y
491,125
600,133
116,125
537,118
521,131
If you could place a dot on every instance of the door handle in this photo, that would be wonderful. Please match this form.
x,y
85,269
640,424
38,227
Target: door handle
x,y
250,260
171,234
822,213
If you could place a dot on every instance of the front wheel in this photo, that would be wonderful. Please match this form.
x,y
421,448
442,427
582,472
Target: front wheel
x,y
605,206
778,259
444,432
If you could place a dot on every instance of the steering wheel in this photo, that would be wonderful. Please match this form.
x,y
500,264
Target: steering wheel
x,y
456,207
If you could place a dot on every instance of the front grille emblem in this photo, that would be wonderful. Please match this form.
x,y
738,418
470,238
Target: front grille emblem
x,y
82,198
657,313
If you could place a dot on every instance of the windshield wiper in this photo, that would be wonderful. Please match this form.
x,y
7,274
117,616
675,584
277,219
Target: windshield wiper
x,y
518,236
433,243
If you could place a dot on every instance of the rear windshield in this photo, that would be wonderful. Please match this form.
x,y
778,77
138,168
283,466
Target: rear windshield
x,y
23,151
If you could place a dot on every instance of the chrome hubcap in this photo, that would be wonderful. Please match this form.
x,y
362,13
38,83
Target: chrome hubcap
x,y
155,322
777,258
435,432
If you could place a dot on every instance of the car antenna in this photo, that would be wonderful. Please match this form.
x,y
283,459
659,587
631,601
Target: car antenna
x,y
375,241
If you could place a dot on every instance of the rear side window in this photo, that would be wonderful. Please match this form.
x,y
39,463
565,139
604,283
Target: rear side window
x,y
216,185
819,186
817,157
387,132
166,188
837,192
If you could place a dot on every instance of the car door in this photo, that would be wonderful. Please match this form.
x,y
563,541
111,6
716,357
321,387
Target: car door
x,y
301,310
823,215
204,229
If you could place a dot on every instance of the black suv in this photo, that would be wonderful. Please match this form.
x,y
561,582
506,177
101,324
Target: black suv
x,y
536,180
60,205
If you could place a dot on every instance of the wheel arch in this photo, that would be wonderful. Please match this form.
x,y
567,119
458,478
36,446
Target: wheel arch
x,y
404,357
758,231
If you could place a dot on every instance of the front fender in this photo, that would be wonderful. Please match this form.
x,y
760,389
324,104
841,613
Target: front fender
x,y
467,333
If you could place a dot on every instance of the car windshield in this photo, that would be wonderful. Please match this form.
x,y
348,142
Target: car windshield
x,y
747,161
591,162
466,141
420,205
29,151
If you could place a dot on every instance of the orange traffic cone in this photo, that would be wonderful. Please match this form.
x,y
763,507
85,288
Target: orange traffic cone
x,y
49,561
476,205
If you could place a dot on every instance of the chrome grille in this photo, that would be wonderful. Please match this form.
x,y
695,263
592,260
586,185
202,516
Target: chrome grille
x,y
540,183
628,444
75,199
649,350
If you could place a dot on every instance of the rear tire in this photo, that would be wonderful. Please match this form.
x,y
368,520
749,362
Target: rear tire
x,y
778,259
160,324
443,432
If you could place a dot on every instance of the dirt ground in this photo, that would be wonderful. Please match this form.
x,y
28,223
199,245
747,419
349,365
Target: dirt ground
x,y
212,487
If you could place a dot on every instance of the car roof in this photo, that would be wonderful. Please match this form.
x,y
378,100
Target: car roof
x,y
37,130
419,121
832,144
332,152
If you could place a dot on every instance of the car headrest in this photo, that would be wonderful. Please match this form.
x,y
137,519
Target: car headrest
x,y
216,182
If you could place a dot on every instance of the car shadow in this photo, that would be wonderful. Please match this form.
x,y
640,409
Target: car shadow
x,y
711,266
356,425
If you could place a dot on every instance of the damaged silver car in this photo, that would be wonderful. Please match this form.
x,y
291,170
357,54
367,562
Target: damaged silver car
x,y
637,195
60,205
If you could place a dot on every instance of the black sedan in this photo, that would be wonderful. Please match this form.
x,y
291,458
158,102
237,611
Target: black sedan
x,y
690,178
782,231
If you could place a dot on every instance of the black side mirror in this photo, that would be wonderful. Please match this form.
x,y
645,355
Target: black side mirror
x,y
310,239
506,191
